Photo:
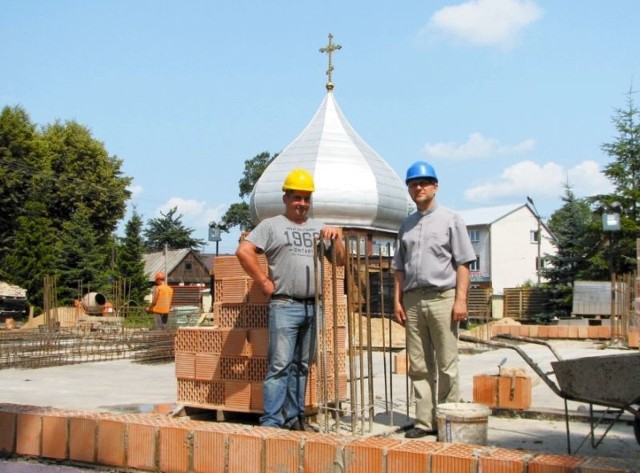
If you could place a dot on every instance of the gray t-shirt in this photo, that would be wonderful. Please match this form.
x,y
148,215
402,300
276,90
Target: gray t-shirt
x,y
430,247
289,251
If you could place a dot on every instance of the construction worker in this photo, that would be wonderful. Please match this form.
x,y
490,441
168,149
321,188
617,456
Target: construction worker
x,y
288,242
161,302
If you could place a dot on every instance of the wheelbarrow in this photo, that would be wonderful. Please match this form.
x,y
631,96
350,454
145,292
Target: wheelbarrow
x,y
609,381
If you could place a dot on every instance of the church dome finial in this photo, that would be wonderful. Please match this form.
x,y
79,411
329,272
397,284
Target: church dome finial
x,y
331,47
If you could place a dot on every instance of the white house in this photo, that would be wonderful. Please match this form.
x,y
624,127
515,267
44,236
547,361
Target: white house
x,y
508,245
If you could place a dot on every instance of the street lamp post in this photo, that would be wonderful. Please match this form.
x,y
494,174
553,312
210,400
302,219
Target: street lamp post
x,y
214,234
538,237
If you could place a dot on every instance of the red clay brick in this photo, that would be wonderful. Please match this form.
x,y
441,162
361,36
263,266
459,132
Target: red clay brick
x,y
500,460
111,442
604,332
141,446
245,452
411,455
456,457
573,331
543,331
593,331
174,446
583,332
55,436
7,432
554,464
553,331
608,465
367,455
485,389
82,439
517,398
563,331
534,331
323,453
283,453
185,365
28,434
209,450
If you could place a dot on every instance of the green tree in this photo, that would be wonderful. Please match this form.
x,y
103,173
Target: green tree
x,y
129,262
79,171
239,214
81,262
19,160
624,173
33,254
570,227
170,231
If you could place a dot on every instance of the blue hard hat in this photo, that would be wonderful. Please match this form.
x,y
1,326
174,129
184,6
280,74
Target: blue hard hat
x,y
420,170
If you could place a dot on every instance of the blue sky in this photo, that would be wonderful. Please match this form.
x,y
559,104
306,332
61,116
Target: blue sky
x,y
506,98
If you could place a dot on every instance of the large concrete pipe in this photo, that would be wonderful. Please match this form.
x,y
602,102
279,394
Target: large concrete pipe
x,y
93,303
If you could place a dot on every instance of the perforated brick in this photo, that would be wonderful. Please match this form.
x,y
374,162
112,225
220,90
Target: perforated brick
x,y
141,446
55,436
8,432
174,447
257,368
367,455
258,342
554,464
237,396
256,316
208,337
234,342
82,439
206,365
229,315
232,368
185,365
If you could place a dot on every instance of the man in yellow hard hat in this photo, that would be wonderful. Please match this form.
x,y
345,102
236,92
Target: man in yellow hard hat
x,y
161,302
288,241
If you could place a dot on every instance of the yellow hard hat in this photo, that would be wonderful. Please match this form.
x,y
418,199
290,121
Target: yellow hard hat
x,y
299,180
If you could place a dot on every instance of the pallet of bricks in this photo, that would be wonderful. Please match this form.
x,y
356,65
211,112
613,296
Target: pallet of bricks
x,y
222,367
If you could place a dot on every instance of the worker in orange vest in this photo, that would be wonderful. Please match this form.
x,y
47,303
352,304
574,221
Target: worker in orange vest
x,y
161,303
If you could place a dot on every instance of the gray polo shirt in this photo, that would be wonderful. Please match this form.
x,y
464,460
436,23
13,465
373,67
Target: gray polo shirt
x,y
430,247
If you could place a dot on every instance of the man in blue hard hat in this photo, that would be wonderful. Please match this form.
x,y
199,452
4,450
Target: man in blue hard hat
x,y
431,285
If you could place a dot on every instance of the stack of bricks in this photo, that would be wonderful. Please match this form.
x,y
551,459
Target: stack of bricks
x,y
222,367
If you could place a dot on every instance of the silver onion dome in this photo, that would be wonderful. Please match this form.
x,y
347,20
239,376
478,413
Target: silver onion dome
x,y
355,187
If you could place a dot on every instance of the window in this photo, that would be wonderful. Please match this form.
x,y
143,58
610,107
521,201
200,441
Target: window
x,y
534,236
540,263
475,265
474,235
187,266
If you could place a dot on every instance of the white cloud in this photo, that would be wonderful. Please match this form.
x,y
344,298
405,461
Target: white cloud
x,y
477,146
195,214
547,181
135,190
484,22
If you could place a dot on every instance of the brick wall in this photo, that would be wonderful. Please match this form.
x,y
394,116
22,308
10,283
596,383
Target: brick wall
x,y
156,442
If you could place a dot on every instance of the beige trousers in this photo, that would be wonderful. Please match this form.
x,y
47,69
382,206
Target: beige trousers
x,y
432,350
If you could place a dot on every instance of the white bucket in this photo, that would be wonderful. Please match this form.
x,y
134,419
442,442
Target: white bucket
x,y
462,422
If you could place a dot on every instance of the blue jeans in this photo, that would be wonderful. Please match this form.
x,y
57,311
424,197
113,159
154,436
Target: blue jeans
x,y
292,338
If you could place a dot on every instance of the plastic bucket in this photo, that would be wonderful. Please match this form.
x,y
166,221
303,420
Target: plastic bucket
x,y
461,422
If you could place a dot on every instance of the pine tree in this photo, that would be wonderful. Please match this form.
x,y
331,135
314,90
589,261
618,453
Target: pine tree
x,y
81,261
569,225
129,262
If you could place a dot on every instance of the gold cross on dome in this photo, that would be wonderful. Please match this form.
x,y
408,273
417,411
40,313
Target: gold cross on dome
x,y
329,50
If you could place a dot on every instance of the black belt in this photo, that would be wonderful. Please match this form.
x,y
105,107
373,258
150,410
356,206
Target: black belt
x,y
284,297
